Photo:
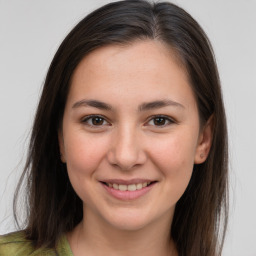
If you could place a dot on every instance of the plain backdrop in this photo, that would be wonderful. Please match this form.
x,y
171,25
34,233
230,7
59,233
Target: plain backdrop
x,y
30,33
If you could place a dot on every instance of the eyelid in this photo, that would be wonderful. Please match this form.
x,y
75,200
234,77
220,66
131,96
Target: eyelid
x,y
86,118
168,118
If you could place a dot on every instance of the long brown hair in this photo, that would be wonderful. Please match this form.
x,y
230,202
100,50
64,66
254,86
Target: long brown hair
x,y
200,218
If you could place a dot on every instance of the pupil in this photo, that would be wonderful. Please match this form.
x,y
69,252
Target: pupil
x,y
97,121
159,121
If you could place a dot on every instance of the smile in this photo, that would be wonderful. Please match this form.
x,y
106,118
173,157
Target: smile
x,y
128,190
131,187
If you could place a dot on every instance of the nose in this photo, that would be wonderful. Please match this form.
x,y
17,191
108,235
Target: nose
x,y
126,150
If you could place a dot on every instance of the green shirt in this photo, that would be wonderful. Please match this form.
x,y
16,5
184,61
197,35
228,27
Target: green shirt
x,y
15,244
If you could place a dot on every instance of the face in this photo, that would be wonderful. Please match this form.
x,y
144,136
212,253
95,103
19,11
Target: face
x,y
131,134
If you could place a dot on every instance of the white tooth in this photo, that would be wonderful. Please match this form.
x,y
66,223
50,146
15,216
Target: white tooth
x,y
132,187
115,186
139,186
110,185
144,184
122,187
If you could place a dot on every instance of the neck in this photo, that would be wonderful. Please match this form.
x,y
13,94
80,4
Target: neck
x,y
95,237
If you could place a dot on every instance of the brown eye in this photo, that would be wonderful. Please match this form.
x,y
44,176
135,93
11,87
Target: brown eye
x,y
97,121
94,121
159,121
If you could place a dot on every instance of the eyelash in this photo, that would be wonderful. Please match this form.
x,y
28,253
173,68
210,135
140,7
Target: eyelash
x,y
166,119
87,118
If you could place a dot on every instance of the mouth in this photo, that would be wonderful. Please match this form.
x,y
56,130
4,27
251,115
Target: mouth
x,y
129,187
128,190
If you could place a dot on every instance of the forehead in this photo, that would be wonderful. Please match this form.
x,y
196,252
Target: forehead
x,y
143,70
146,54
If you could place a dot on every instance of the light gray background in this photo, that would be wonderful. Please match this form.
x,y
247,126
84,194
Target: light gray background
x,y
31,31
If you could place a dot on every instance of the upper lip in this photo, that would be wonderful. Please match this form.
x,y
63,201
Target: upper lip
x,y
126,182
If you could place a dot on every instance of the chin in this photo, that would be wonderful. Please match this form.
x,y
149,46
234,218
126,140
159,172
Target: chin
x,y
130,224
131,220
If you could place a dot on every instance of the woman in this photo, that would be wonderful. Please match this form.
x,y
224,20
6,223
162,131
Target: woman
x,y
128,153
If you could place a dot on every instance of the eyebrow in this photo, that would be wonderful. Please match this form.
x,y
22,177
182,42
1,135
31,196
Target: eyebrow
x,y
159,104
92,103
143,107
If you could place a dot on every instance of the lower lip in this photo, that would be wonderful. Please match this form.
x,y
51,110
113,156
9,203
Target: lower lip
x,y
128,195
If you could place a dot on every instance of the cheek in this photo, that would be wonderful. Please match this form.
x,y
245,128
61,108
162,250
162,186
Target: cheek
x,y
174,156
84,154
175,151
175,159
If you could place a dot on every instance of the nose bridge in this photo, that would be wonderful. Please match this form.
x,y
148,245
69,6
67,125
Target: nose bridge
x,y
126,150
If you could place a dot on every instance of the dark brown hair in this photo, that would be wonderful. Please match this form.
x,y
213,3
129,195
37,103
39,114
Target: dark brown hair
x,y
200,218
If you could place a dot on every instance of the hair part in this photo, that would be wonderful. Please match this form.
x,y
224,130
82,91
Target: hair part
x,y
52,205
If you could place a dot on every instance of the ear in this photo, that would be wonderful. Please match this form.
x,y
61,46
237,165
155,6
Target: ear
x,y
61,146
204,141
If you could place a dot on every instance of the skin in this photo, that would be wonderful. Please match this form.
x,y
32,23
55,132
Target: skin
x,y
129,143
